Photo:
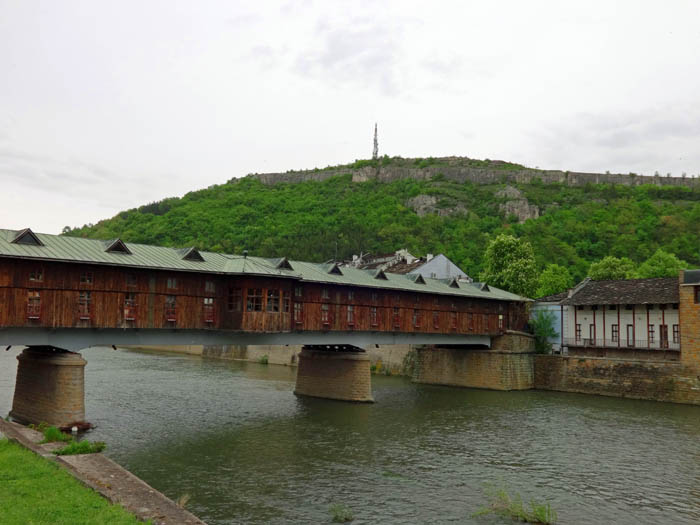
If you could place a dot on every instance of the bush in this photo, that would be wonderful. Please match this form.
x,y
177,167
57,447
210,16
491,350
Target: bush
x,y
264,360
341,513
54,435
542,323
81,447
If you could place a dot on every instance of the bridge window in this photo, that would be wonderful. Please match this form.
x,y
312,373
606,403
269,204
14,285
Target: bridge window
x,y
235,300
325,317
453,320
373,318
172,283
416,318
273,301
285,301
351,315
351,295
86,278
84,302
298,292
130,306
255,300
209,287
131,279
208,309
170,308
37,275
325,294
436,320
396,317
298,312
33,304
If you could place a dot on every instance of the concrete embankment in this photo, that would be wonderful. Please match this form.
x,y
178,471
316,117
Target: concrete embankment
x,y
110,480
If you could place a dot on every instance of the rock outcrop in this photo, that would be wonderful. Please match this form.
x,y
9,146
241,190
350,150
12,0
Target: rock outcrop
x,y
426,204
517,204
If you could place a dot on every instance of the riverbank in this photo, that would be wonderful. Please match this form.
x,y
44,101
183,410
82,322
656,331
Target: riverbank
x,y
41,488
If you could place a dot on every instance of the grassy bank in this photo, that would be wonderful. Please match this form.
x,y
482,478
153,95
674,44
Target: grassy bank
x,y
34,490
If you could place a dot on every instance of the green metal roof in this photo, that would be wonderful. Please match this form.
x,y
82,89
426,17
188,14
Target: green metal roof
x,y
91,251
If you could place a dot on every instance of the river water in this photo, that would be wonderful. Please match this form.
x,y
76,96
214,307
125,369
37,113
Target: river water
x,y
234,438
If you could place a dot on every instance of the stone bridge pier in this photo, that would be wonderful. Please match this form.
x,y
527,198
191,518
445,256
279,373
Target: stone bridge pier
x,y
50,387
507,365
339,372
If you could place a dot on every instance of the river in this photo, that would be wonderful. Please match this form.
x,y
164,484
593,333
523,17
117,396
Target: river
x,y
234,438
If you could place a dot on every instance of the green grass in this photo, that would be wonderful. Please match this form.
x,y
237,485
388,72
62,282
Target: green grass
x,y
54,435
35,491
341,513
81,447
502,504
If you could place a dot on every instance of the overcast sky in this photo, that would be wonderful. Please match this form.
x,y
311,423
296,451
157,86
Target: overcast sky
x,y
105,106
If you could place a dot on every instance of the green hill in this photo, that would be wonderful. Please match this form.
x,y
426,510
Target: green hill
x,y
573,225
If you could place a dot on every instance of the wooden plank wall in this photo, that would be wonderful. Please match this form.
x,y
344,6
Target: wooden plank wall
x,y
61,284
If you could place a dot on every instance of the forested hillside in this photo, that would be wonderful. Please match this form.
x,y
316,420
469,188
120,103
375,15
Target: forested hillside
x,y
305,220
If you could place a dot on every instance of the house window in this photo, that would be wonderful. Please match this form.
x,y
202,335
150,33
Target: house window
x,y
131,279
172,283
351,315
591,332
170,308
86,278
579,308
374,297
209,287
298,291
33,304
325,316
285,301
676,333
298,312
255,300
470,322
417,299
351,295
436,300
130,306
273,301
208,309
630,335
650,334
416,318
500,321
629,307
453,320
651,307
578,333
84,300
436,320
396,317
235,300
325,294
37,275
663,335
594,307
612,307
674,306
373,319
662,306
615,333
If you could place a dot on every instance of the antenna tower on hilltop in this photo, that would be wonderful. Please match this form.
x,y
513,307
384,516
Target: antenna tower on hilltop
x,y
375,151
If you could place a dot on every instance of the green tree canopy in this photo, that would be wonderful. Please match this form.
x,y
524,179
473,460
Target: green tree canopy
x,y
612,268
661,264
509,263
553,279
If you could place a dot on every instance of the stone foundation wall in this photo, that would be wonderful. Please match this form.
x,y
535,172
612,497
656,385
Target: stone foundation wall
x,y
659,381
50,388
334,375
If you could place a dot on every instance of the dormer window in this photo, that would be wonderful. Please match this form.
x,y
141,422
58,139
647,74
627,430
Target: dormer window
x,y
117,246
335,270
381,276
192,254
27,237
284,264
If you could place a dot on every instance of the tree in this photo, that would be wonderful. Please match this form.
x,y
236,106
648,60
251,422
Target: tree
x,y
509,263
553,279
661,264
612,268
542,323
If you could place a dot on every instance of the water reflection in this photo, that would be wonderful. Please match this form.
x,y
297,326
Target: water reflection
x,y
233,436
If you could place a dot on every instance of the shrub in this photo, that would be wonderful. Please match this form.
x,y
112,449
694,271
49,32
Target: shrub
x,y
264,360
341,513
542,323
54,435
81,447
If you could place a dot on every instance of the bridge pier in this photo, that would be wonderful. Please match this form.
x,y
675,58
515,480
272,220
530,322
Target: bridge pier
x,y
334,372
50,387
507,365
